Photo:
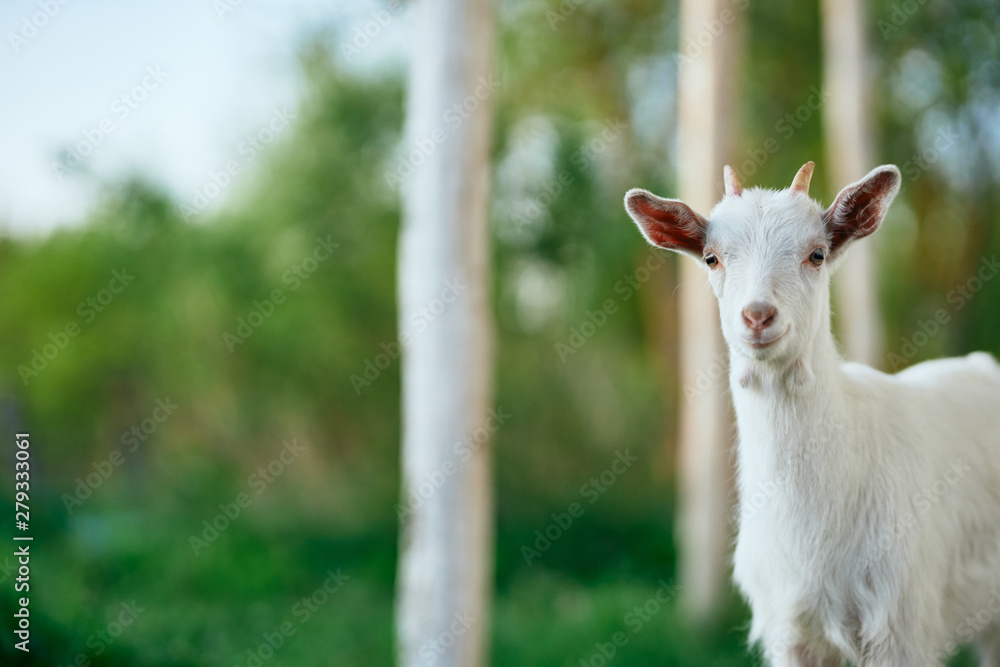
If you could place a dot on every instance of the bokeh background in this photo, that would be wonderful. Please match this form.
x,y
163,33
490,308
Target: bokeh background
x,y
117,512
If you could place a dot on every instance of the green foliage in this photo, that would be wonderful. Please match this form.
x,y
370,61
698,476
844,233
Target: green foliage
x,y
585,324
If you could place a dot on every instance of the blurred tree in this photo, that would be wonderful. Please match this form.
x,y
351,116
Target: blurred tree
x,y
706,99
446,544
850,150
320,367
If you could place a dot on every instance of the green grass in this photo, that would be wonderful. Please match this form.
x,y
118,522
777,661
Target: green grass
x,y
239,602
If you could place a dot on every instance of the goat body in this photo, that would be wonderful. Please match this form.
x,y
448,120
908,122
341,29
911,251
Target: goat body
x,y
869,511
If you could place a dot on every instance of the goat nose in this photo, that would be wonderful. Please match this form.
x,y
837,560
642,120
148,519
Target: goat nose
x,y
759,316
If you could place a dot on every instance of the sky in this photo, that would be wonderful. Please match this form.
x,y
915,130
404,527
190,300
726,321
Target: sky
x,y
94,91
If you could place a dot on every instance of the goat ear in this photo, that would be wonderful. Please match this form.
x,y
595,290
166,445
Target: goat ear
x,y
860,207
667,223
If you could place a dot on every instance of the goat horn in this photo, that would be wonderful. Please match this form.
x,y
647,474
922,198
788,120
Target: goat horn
x,y
733,186
801,182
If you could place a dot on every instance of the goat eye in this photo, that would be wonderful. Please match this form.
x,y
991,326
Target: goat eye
x,y
711,261
817,256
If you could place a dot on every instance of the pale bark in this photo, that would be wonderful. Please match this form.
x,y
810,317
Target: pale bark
x,y
445,570
847,126
707,89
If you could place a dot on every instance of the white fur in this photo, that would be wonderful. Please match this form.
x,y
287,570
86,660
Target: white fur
x,y
869,520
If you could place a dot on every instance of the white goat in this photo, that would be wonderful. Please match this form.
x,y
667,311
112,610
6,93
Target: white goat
x,y
869,524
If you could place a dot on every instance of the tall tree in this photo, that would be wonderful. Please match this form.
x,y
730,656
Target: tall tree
x,y
848,136
706,114
445,565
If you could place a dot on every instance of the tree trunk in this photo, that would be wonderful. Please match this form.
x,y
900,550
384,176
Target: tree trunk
x,y
445,568
849,148
706,96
